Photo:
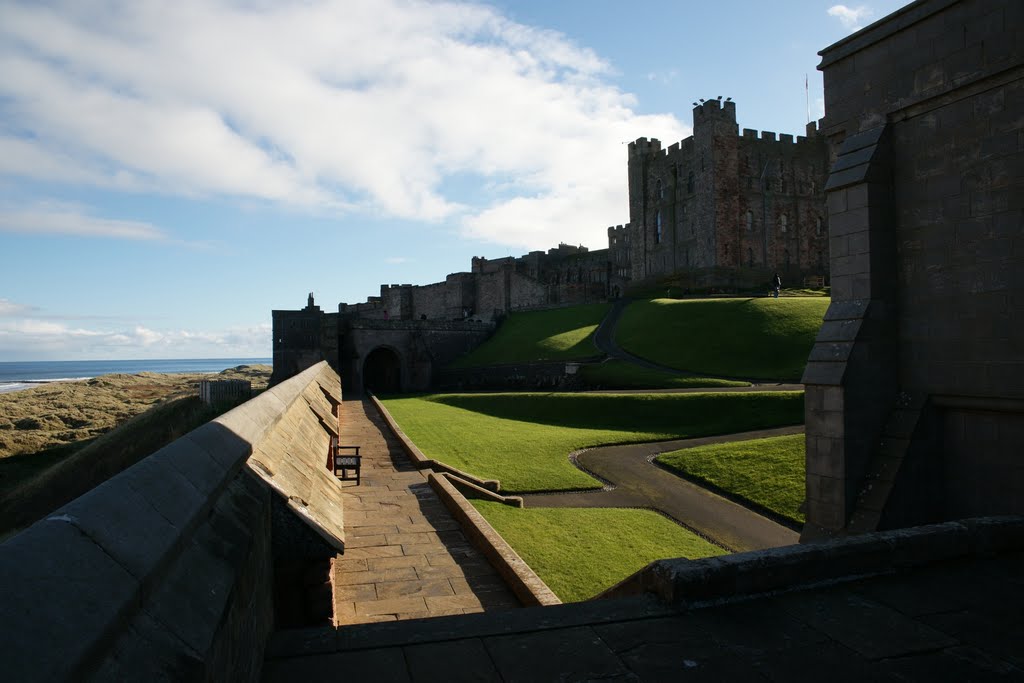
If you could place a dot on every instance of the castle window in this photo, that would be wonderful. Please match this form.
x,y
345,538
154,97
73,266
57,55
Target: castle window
x,y
782,185
657,228
661,189
750,257
782,223
702,162
786,258
817,226
689,182
750,220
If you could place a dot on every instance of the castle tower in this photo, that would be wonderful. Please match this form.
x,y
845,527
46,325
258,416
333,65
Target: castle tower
x,y
715,135
642,157
723,210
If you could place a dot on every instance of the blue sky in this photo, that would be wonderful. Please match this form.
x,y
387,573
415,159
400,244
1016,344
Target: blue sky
x,y
170,172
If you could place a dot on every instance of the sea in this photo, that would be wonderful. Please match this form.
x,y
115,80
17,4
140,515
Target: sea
x,y
15,376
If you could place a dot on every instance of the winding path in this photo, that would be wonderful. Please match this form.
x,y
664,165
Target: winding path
x,y
635,481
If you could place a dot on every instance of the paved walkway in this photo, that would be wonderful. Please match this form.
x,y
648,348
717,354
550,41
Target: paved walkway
x,y
638,482
950,621
405,556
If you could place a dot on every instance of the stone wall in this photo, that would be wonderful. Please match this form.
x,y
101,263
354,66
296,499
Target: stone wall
x,y
162,572
419,348
918,367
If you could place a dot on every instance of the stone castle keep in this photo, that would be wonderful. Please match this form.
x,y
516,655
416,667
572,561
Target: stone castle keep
x,y
723,210
718,210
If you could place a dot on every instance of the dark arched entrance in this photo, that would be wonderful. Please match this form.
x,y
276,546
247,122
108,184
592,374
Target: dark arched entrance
x,y
382,372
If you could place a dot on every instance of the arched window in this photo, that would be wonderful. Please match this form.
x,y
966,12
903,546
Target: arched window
x,y
657,228
817,226
782,223
750,220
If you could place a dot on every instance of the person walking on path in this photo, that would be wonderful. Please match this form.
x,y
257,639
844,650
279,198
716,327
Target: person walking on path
x,y
776,285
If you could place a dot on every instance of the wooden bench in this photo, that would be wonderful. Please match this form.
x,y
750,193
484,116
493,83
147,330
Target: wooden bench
x,y
346,461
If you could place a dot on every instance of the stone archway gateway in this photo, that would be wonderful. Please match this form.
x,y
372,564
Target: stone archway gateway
x,y
382,371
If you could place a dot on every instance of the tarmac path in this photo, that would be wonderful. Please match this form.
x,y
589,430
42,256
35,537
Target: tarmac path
x,y
635,481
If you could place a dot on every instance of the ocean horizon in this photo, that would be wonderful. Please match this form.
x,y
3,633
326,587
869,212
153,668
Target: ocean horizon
x,y
16,375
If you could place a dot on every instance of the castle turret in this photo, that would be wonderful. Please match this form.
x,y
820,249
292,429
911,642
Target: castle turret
x,y
642,155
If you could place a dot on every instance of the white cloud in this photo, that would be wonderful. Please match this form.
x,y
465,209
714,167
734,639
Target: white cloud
x,y
20,337
397,260
364,105
851,17
70,219
10,308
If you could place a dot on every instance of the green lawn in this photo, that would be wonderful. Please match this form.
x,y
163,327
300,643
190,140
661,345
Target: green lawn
x,y
763,338
618,374
523,439
556,334
579,552
768,472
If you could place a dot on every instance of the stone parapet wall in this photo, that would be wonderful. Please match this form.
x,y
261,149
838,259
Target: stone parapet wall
x,y
163,571
686,583
546,376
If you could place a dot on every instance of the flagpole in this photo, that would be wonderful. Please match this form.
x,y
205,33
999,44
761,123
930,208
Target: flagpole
x,y
807,97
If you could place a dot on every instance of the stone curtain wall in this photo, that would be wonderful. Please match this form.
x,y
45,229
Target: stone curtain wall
x,y
422,347
918,367
162,572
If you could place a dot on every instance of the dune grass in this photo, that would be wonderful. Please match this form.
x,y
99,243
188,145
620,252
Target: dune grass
x,y
618,374
767,472
761,338
555,334
579,552
523,439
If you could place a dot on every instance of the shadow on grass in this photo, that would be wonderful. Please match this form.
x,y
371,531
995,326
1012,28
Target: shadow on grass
x,y
704,413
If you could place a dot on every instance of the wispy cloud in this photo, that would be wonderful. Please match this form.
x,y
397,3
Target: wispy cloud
x,y
354,105
10,308
396,260
24,337
663,77
70,219
852,18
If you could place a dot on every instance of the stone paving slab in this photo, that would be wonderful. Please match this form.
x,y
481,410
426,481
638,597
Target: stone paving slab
x,y
405,556
832,633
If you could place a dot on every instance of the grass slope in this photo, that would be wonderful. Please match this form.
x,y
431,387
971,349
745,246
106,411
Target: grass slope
x,y
762,338
556,334
618,374
768,472
524,439
579,552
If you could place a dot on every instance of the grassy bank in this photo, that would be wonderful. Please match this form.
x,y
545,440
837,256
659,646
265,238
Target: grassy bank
x,y
760,338
524,439
767,472
617,374
579,552
556,334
